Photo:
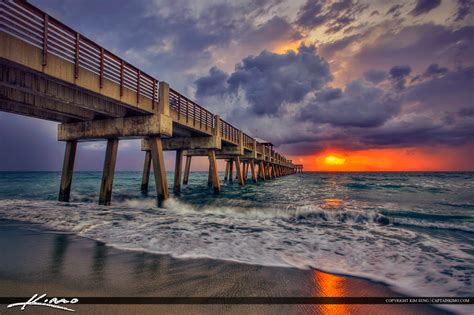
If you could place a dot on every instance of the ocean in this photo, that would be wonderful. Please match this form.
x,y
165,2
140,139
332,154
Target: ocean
x,y
411,231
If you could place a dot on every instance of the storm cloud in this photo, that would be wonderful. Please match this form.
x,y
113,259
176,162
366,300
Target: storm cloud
x,y
269,80
336,15
359,105
424,6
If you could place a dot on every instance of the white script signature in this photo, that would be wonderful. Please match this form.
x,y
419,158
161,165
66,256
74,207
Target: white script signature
x,y
41,300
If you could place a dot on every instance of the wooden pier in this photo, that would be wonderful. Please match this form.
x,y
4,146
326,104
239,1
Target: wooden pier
x,y
50,71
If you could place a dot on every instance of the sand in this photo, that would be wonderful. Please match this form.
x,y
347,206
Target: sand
x,y
34,260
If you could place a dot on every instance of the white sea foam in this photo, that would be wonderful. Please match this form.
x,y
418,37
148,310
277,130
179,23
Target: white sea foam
x,y
350,242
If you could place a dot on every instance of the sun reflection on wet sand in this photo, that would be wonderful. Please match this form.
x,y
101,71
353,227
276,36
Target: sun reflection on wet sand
x,y
328,285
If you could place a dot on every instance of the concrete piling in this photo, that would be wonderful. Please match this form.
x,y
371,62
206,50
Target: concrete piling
x,y
161,182
209,175
187,168
177,171
216,185
231,167
108,172
226,175
146,172
68,169
238,170
261,170
252,169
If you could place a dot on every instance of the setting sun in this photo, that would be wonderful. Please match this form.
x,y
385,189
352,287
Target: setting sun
x,y
334,160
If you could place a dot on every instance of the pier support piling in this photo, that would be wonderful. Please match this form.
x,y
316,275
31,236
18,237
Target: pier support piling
x,y
252,169
226,175
187,168
161,182
177,171
216,184
146,172
209,176
231,169
68,169
261,169
238,170
108,172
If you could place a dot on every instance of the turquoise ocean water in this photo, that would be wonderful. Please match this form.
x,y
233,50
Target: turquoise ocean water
x,y
413,231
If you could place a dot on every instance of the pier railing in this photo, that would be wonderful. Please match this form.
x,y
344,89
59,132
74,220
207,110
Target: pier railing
x,y
193,112
248,141
38,29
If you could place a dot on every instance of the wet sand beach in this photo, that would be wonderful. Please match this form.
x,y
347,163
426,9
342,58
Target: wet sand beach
x,y
38,261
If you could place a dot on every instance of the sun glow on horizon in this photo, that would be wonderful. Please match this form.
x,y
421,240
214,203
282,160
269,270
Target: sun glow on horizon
x,y
334,160
439,158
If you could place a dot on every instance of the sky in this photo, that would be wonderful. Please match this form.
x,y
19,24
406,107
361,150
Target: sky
x,y
374,85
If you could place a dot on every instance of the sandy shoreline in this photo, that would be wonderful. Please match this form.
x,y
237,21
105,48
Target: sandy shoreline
x,y
38,261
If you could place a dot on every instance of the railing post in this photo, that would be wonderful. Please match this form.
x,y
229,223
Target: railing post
x,y
179,106
101,72
164,99
76,61
45,39
154,94
121,77
194,114
187,110
138,86
241,141
254,148
217,126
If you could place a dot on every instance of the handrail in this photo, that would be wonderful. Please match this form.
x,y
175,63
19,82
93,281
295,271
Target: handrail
x,y
27,23
248,141
191,110
229,132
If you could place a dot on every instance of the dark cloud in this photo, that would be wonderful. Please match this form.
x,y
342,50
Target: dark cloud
x,y
424,6
400,72
450,92
331,48
394,10
418,45
435,70
464,9
275,28
269,80
398,75
366,116
468,111
418,131
375,76
311,15
212,84
430,114
335,16
328,95
361,105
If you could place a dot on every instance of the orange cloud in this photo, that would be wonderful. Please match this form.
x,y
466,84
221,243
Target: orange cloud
x,y
441,158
